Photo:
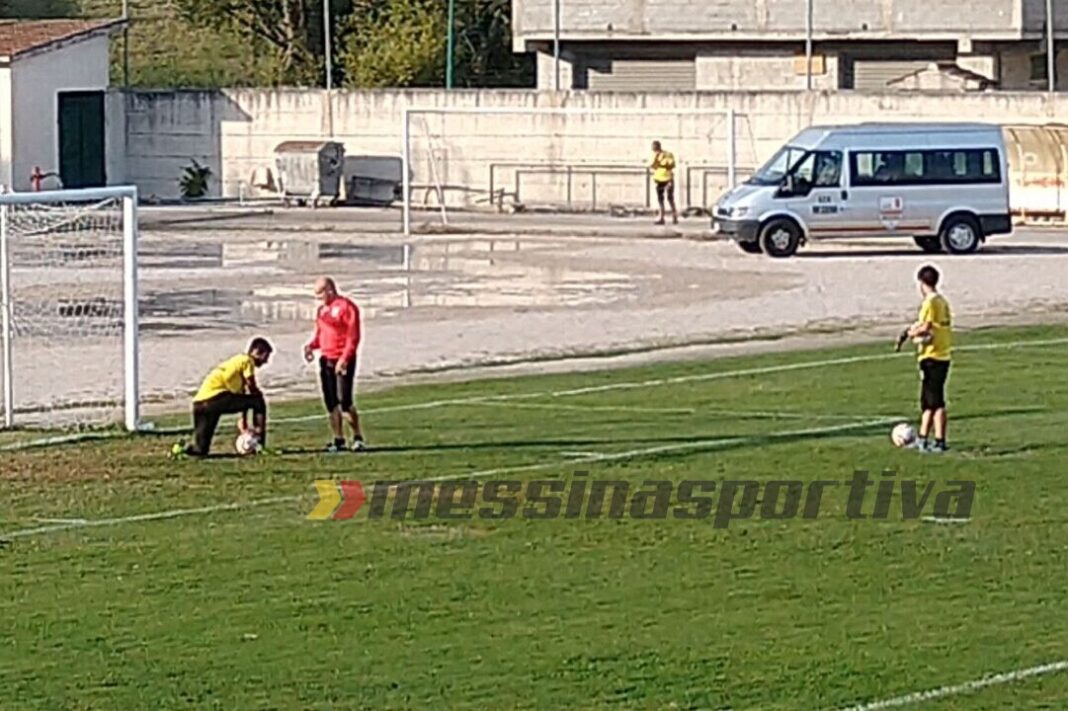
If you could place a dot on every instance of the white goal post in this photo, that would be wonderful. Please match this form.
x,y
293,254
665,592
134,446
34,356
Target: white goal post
x,y
573,158
69,308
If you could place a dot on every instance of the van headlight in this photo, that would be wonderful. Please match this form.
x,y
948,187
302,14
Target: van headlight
x,y
739,211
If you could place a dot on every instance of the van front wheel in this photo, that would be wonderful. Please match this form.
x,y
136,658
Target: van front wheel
x,y
780,238
960,235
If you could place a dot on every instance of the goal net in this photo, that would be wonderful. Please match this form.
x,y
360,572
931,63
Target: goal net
x,y
68,302
464,161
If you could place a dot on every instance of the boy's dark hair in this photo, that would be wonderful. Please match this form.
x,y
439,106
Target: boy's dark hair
x,y
929,276
261,345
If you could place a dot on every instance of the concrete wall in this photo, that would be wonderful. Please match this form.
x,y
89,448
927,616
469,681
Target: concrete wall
x,y
35,81
606,19
6,127
235,132
1016,69
742,70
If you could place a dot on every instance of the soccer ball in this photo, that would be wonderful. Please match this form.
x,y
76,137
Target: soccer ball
x,y
246,444
924,340
902,435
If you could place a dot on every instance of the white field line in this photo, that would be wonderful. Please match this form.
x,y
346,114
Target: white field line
x,y
945,520
595,458
659,382
661,449
434,404
758,414
965,688
157,516
588,408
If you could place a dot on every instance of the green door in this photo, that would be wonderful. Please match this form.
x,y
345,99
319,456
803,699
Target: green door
x,y
81,139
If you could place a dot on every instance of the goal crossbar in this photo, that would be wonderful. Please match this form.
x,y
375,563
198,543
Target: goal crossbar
x,y
131,359
729,114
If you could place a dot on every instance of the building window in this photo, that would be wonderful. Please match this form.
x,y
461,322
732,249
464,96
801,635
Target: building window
x,y
1039,67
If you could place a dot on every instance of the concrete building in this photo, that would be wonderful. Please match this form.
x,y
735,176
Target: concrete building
x,y
54,76
716,45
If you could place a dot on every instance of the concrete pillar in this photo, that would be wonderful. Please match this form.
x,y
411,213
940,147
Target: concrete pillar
x,y
547,71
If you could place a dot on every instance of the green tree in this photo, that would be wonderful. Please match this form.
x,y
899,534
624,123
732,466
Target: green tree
x,y
484,55
395,43
285,30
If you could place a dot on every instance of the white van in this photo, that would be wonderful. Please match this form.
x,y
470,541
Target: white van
x,y
946,186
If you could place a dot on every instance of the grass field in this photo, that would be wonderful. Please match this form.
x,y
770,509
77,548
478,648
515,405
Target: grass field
x,y
257,606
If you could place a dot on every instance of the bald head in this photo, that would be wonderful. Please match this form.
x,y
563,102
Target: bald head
x,y
325,289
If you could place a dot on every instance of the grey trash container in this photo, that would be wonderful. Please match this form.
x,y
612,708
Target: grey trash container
x,y
310,170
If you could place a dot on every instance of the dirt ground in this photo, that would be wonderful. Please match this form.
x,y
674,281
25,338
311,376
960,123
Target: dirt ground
x,y
553,293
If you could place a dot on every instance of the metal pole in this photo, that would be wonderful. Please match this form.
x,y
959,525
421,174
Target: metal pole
x,y
1051,51
131,338
556,45
126,44
406,179
808,45
731,150
450,44
327,45
6,307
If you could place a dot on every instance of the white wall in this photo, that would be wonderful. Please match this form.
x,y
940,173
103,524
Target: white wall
x,y
35,82
234,132
744,70
6,124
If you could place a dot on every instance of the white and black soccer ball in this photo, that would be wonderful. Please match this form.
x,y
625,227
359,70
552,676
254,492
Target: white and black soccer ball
x,y
246,444
902,435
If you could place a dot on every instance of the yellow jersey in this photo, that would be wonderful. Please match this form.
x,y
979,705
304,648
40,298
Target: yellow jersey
x,y
229,376
663,166
935,310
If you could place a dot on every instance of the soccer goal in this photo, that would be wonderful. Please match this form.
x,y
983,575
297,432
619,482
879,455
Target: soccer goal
x,y
461,161
68,277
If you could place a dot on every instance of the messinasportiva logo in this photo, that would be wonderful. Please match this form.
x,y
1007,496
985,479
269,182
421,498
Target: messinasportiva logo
x,y
883,497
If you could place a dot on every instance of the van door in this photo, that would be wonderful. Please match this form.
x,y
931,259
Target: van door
x,y
886,191
818,197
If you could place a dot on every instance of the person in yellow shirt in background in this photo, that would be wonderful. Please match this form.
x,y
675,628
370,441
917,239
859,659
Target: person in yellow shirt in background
x,y
933,335
663,167
230,388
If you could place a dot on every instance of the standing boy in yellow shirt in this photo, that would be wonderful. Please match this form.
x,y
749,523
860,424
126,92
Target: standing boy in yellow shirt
x,y
663,167
933,335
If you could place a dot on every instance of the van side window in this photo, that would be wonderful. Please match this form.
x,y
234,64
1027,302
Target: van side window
x,y
820,169
936,167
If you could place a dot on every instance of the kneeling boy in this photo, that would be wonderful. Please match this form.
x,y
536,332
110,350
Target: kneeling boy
x,y
230,388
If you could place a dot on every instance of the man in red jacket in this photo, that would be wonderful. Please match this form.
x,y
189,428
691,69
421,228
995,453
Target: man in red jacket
x,y
337,337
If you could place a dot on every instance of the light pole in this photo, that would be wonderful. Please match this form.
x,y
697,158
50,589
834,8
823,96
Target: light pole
x,y
126,44
808,45
450,43
1051,52
327,46
556,45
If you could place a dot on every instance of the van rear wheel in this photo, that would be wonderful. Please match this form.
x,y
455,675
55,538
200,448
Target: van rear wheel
x,y
961,235
780,238
931,245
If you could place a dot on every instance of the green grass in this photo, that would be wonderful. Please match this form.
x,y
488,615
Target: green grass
x,y
262,608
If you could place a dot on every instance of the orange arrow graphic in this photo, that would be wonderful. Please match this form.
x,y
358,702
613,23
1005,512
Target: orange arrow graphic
x,y
352,491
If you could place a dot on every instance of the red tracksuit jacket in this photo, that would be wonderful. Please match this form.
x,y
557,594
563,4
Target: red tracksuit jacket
x,y
337,330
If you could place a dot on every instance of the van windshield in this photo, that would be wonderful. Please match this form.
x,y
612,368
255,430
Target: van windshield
x,y
775,169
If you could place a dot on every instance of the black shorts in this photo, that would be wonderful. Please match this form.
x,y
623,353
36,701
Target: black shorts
x,y
933,374
337,389
665,189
